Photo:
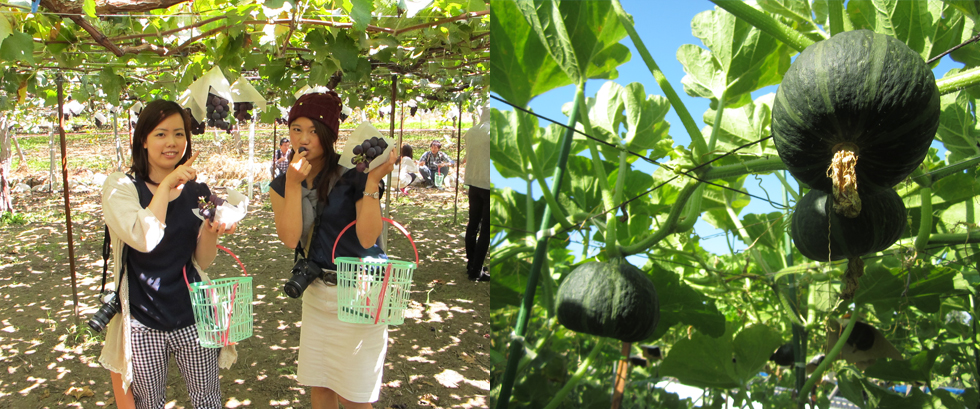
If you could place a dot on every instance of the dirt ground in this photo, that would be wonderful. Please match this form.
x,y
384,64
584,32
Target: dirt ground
x,y
48,356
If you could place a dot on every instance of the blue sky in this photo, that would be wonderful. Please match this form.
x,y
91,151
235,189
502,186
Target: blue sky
x,y
664,26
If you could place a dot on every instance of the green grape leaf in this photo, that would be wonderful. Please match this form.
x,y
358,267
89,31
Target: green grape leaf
x,y
360,13
17,47
88,7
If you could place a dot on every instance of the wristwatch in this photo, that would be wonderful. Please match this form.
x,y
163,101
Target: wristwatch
x,y
376,195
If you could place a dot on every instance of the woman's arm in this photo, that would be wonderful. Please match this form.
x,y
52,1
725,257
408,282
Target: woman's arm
x,y
139,228
369,223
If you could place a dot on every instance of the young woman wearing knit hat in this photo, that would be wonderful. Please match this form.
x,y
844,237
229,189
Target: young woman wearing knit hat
x,y
342,362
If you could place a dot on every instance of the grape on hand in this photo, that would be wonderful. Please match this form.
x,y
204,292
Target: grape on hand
x,y
208,206
367,151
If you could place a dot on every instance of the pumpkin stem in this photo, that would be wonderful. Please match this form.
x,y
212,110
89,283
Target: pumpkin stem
x,y
843,175
855,269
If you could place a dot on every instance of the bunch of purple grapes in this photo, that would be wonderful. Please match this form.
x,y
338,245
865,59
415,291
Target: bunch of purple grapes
x,y
207,206
197,128
242,113
367,151
217,112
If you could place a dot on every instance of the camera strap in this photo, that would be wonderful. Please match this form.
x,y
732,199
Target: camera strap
x,y
107,246
309,243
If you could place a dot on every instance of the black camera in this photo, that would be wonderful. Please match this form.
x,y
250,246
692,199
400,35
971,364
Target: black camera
x,y
110,306
304,272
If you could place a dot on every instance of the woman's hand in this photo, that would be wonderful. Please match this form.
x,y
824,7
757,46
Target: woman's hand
x,y
219,228
181,174
378,173
298,169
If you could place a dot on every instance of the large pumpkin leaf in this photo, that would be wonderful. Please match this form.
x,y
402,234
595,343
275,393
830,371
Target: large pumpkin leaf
x,y
958,126
518,143
520,67
753,346
742,58
744,125
679,303
766,229
885,288
916,369
877,397
616,107
581,186
721,362
927,27
800,12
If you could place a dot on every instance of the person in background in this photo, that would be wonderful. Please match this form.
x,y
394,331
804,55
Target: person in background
x,y
434,161
341,362
280,160
477,176
408,171
151,213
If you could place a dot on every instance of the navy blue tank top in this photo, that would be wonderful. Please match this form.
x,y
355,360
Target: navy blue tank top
x,y
158,295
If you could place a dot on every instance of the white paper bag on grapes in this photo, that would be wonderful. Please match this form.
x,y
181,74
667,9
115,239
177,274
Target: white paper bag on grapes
x,y
356,143
231,211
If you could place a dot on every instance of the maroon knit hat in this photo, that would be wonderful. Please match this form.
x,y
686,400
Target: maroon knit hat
x,y
322,107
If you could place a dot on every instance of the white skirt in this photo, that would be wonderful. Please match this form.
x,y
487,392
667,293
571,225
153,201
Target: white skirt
x,y
346,358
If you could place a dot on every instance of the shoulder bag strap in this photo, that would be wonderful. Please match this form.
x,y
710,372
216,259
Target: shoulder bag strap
x,y
107,245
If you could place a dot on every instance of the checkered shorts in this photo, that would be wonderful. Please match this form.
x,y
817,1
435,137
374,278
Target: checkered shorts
x,y
151,359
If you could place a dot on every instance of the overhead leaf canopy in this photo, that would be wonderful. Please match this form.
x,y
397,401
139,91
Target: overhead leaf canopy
x,y
116,50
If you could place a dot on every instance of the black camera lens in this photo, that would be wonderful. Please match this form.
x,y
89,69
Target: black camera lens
x,y
110,306
304,272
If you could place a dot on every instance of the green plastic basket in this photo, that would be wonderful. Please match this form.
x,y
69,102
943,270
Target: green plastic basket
x,y
374,292
438,179
222,309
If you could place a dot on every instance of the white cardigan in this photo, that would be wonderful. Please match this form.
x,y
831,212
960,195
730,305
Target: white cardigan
x,y
129,223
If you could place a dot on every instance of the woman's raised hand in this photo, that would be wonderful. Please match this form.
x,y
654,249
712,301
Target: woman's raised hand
x,y
181,174
299,168
380,172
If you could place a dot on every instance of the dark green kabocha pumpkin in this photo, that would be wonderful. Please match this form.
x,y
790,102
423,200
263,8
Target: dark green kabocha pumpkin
x,y
855,113
614,300
879,225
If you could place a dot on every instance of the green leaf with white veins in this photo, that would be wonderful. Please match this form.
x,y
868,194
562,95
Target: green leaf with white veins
x,y
742,58
958,126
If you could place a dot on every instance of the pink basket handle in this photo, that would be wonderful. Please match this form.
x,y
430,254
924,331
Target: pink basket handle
x,y
402,229
240,264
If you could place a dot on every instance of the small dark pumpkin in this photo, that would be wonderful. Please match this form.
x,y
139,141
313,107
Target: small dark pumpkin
x,y
855,113
614,300
879,225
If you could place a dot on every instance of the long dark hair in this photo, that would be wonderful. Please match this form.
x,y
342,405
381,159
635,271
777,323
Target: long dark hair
x,y
331,159
152,115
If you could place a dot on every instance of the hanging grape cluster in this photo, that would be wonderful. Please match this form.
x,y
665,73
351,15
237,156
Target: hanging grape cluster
x,y
217,112
367,151
414,110
243,111
197,128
